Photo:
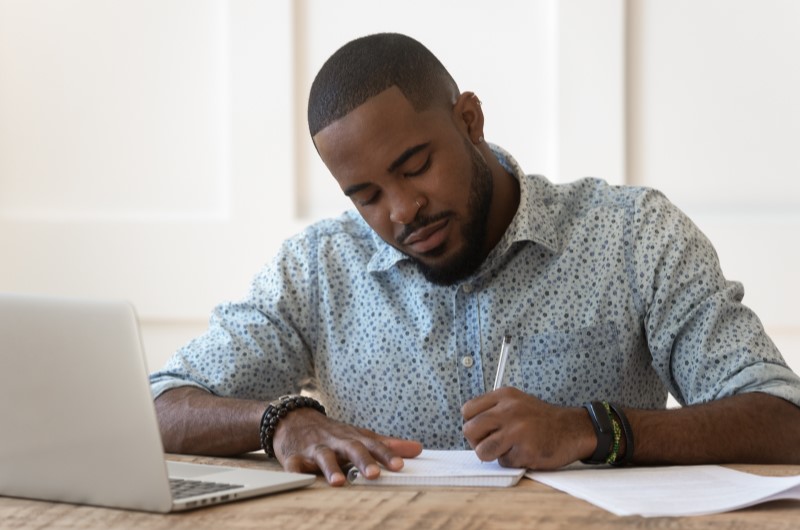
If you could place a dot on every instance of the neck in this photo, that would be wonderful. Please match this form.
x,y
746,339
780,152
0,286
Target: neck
x,y
505,199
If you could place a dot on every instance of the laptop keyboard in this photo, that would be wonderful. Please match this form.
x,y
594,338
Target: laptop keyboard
x,y
182,489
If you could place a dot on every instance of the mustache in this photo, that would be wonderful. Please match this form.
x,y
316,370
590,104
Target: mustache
x,y
420,222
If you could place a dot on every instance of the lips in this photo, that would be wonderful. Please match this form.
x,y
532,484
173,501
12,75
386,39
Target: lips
x,y
428,237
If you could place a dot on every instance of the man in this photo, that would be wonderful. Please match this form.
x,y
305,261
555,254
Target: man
x,y
393,315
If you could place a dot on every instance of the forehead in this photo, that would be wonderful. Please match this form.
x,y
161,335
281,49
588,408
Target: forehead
x,y
374,134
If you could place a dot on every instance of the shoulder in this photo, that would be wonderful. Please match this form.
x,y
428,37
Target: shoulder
x,y
347,234
595,196
591,192
322,248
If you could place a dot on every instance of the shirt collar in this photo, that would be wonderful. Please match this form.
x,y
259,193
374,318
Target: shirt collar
x,y
534,218
532,222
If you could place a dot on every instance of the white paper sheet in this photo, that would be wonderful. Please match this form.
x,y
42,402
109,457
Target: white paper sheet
x,y
444,468
669,491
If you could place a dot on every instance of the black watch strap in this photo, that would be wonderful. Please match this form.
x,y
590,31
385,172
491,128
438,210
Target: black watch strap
x,y
603,430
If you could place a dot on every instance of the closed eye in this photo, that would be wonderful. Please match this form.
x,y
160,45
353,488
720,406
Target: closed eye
x,y
371,199
421,170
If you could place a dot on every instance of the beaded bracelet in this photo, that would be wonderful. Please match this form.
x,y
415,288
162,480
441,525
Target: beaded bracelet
x,y
627,458
276,411
614,453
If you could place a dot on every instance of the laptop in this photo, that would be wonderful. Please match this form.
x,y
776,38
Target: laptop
x,y
77,420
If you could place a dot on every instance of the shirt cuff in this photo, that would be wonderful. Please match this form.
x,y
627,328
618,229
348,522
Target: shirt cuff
x,y
160,383
770,378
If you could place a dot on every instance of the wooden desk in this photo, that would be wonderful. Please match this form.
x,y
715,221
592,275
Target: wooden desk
x,y
528,505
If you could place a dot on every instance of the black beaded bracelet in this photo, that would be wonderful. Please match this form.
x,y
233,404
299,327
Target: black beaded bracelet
x,y
276,411
628,432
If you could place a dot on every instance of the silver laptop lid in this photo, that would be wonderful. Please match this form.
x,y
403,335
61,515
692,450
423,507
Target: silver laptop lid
x,y
78,422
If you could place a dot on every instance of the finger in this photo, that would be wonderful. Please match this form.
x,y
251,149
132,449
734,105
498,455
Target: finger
x,y
477,405
479,427
328,464
493,447
389,450
381,453
367,452
511,458
398,450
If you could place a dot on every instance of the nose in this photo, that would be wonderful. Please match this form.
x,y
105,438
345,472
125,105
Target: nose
x,y
404,208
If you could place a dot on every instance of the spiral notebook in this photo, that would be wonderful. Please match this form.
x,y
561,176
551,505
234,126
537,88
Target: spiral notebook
x,y
444,468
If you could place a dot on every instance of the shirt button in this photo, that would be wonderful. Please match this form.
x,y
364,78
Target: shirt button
x,y
467,361
468,289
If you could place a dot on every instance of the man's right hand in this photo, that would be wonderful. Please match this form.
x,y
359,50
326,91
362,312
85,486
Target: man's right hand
x,y
307,441
197,422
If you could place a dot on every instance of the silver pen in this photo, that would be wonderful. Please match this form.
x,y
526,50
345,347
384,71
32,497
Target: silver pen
x,y
501,363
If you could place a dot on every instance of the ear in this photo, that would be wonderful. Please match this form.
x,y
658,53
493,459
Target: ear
x,y
468,116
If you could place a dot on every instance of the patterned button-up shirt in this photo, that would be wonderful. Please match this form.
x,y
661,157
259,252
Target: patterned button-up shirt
x,y
607,292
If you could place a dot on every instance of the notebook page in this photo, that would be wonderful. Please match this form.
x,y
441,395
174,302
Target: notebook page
x,y
444,468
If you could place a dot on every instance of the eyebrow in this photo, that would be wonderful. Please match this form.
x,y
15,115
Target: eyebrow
x,y
355,188
399,161
408,153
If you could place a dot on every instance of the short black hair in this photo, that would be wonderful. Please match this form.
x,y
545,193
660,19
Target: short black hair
x,y
367,66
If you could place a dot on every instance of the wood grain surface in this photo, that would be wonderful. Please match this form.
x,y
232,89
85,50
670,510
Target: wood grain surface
x,y
527,505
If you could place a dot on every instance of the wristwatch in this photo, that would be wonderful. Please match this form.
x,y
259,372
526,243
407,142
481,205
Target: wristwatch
x,y
603,429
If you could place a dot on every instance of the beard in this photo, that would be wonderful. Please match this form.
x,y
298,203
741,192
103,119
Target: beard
x,y
465,262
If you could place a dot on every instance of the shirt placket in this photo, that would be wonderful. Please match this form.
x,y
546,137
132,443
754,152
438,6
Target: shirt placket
x,y
468,344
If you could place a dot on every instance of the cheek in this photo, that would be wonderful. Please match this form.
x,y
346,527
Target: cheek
x,y
452,184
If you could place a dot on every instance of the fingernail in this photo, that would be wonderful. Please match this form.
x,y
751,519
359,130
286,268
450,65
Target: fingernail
x,y
372,471
396,463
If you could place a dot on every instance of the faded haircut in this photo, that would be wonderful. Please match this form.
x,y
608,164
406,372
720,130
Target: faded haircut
x,y
367,66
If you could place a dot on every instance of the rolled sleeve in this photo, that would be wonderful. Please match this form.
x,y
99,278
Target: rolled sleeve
x,y
706,344
258,348
165,380
770,378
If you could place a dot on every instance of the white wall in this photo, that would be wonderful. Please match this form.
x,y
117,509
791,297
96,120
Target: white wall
x,y
714,121
156,150
485,50
145,152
